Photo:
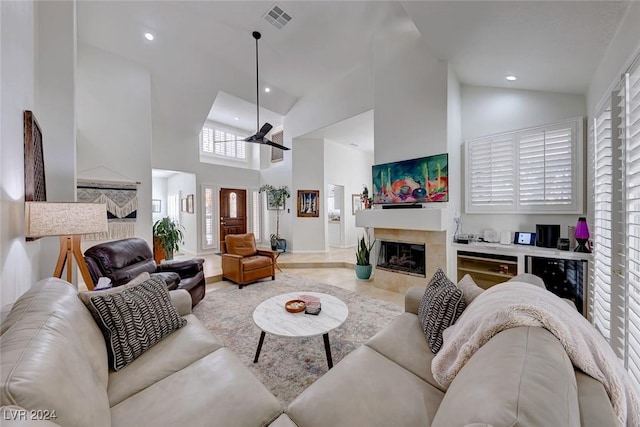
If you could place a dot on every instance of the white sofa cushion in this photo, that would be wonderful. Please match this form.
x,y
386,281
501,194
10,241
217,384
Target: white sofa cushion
x,y
173,353
53,357
215,390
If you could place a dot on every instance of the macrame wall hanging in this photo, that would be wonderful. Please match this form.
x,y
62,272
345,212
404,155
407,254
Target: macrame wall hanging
x,y
122,206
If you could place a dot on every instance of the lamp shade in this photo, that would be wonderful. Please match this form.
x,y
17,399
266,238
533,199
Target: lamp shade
x,y
64,219
582,231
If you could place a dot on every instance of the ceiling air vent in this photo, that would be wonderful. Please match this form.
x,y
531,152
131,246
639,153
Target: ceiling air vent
x,y
278,17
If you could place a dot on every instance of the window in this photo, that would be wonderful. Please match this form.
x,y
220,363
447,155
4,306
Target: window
x,y
256,215
222,143
173,207
615,305
530,170
209,239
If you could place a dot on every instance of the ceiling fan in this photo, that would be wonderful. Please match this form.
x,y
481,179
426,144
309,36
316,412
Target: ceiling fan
x,y
260,136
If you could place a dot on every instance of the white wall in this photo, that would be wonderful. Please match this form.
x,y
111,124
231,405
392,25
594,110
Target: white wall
x,y
55,108
410,86
37,64
349,168
19,259
309,233
454,148
487,111
114,125
624,47
159,192
185,184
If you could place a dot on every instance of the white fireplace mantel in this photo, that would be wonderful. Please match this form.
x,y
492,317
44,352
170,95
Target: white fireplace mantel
x,y
402,219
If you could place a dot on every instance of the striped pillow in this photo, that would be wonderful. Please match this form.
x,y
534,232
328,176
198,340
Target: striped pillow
x,y
133,318
440,307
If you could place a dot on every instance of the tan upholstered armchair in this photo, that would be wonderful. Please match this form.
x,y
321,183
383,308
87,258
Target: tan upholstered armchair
x,y
243,263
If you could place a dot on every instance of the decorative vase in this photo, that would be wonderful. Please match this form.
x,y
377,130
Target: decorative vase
x,y
363,272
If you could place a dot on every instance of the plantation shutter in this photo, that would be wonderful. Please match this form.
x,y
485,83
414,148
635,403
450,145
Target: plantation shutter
x,y
631,167
207,137
602,225
491,173
256,215
545,164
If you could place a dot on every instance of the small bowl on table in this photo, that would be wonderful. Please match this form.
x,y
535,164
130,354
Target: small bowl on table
x,y
295,306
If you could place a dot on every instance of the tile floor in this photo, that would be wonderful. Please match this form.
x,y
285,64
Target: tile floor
x,y
334,267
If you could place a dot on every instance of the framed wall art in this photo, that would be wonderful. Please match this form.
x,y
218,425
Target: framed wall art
x,y
183,205
190,203
356,203
156,206
308,203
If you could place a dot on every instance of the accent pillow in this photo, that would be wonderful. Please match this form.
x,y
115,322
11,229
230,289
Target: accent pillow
x,y
440,307
133,317
469,289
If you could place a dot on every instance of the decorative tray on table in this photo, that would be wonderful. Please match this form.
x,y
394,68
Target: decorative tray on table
x,y
295,306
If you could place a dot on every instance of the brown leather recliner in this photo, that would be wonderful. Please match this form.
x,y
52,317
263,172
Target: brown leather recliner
x,y
123,260
242,262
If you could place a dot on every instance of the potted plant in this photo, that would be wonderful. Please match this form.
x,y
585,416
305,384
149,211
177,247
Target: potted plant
x,y
168,234
363,252
276,198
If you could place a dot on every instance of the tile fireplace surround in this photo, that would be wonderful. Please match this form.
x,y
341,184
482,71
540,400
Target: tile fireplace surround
x,y
436,253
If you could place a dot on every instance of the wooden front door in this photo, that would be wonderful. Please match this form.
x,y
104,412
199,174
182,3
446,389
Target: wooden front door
x,y
233,212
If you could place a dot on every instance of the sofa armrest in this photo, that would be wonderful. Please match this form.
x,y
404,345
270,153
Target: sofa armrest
x,y
412,299
181,299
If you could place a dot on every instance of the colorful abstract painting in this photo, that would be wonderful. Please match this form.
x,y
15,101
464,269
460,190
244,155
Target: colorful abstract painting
x,y
422,180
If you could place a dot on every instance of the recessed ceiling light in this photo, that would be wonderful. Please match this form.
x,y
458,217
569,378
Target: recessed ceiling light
x,y
266,89
235,118
511,78
148,36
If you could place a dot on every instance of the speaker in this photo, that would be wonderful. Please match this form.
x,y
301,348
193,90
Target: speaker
x,y
547,235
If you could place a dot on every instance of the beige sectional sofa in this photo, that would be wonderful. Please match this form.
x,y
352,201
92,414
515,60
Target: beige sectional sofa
x,y
54,363
521,377
53,358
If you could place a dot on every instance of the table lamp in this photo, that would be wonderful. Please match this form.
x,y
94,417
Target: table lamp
x,y
69,221
582,235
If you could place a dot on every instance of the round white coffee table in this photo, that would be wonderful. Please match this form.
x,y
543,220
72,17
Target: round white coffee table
x,y
271,317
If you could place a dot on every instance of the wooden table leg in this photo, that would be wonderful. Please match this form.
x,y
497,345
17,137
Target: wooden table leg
x,y
262,334
327,349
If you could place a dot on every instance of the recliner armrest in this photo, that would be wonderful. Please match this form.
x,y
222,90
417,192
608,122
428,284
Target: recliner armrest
x,y
185,268
231,256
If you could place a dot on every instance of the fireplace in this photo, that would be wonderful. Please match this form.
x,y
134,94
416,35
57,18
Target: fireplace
x,y
401,257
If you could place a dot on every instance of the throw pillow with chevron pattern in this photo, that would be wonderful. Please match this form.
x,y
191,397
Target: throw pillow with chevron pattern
x,y
133,318
441,305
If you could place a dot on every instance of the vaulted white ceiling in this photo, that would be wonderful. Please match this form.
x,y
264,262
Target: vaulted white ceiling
x,y
203,48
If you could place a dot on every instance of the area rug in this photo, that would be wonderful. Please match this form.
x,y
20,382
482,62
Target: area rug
x,y
287,366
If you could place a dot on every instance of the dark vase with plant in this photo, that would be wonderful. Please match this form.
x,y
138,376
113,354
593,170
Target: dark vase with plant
x,y
363,253
276,199
168,233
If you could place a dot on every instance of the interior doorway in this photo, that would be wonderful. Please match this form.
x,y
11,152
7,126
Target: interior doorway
x,y
335,212
233,211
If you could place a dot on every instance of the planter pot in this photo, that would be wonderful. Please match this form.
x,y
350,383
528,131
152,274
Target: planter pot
x,y
363,272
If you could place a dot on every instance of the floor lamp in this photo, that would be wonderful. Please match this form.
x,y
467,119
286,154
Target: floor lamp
x,y
69,221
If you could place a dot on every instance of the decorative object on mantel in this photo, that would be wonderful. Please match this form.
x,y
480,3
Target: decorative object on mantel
x,y
308,203
122,206
363,253
276,199
69,221
364,197
35,189
167,233
582,236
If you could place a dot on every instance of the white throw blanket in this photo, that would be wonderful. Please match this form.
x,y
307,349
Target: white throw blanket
x,y
513,304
